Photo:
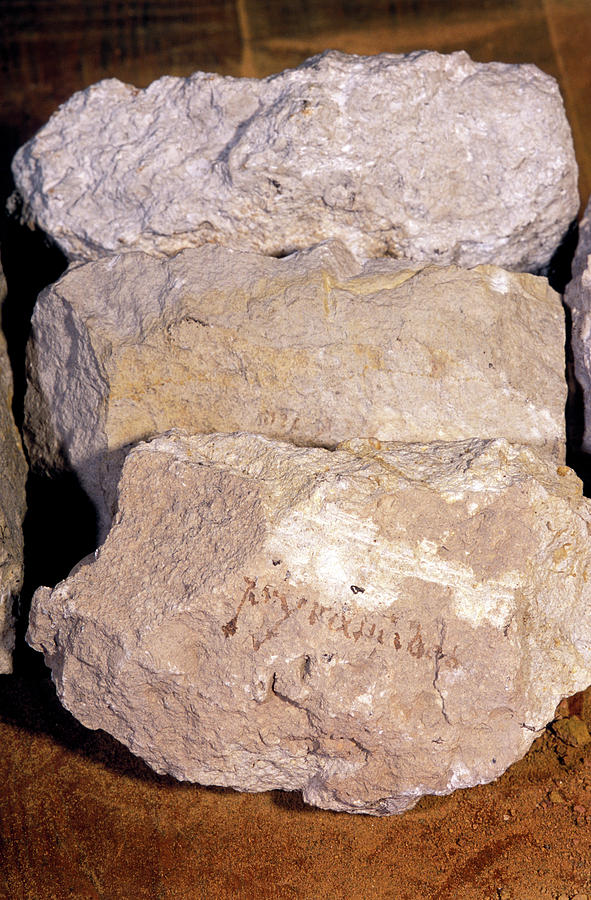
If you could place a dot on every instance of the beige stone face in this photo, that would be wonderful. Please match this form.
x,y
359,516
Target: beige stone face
x,y
313,348
12,505
367,625
426,157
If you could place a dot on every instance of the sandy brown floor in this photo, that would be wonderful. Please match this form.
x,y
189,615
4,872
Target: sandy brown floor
x,y
79,816
83,818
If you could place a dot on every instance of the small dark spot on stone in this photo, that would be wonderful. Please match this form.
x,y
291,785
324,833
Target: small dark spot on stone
x,y
357,590
276,562
494,759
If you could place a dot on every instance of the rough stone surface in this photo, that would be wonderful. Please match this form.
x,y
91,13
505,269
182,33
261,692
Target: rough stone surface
x,y
12,505
313,348
578,297
367,625
426,156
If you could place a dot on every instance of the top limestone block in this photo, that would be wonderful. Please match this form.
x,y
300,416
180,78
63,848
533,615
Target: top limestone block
x,y
425,157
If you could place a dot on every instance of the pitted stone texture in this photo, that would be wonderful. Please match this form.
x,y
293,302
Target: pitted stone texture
x,y
578,297
367,625
426,157
313,348
12,505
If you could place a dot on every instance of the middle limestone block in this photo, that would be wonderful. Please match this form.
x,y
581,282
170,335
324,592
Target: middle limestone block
x,y
313,348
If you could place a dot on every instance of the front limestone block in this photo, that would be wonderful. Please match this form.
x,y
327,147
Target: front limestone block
x,y
314,348
13,472
427,157
367,625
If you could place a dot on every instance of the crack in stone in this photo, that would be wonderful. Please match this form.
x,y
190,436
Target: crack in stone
x,y
281,696
365,750
315,748
439,654
295,703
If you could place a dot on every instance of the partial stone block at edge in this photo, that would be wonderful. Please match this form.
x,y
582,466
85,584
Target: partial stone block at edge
x,y
12,505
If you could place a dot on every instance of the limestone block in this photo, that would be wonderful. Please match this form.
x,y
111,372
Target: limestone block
x,y
428,157
313,348
367,625
578,297
12,505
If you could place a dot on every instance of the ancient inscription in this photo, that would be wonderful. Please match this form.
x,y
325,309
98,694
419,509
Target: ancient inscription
x,y
353,623
415,646
230,627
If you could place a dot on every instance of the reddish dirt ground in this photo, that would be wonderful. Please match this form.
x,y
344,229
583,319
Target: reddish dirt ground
x,y
81,817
